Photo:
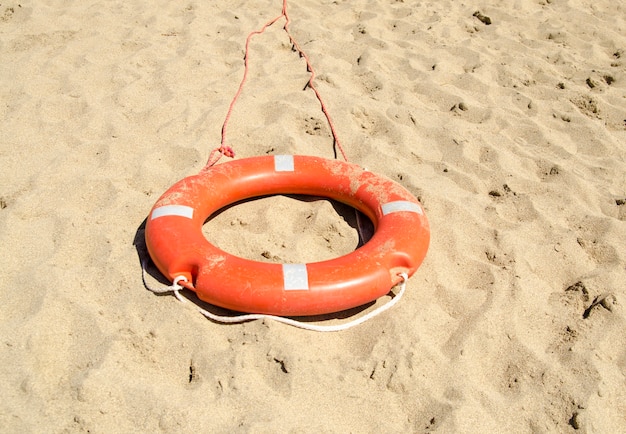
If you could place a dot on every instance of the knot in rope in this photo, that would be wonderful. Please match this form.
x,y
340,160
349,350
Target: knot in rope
x,y
175,287
217,154
227,151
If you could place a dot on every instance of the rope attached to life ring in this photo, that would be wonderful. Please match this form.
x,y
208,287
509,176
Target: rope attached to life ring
x,y
175,288
228,151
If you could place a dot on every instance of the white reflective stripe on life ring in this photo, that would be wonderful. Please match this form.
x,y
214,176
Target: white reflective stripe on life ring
x,y
295,277
401,205
283,163
173,210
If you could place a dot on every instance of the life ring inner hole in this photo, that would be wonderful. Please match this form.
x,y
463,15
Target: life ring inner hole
x,y
288,229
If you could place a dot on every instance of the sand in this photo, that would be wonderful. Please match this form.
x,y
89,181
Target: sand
x,y
512,134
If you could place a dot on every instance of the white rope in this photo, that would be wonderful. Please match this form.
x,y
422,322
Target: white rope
x,y
175,288
307,326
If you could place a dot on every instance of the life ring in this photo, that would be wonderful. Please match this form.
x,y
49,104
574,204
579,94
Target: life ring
x,y
181,252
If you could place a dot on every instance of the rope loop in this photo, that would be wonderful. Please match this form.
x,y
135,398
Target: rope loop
x,y
227,150
306,326
175,287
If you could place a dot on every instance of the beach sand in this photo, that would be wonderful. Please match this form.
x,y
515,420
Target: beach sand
x,y
512,134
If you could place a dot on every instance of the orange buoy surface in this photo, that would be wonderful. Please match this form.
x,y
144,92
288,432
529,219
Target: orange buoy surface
x,y
180,250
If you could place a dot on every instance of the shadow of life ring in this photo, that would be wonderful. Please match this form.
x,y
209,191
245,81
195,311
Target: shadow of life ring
x,y
182,253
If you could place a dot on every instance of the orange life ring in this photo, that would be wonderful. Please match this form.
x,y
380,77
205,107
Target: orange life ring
x,y
181,252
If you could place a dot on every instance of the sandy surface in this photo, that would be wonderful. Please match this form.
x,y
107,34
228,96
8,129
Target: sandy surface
x,y
513,135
